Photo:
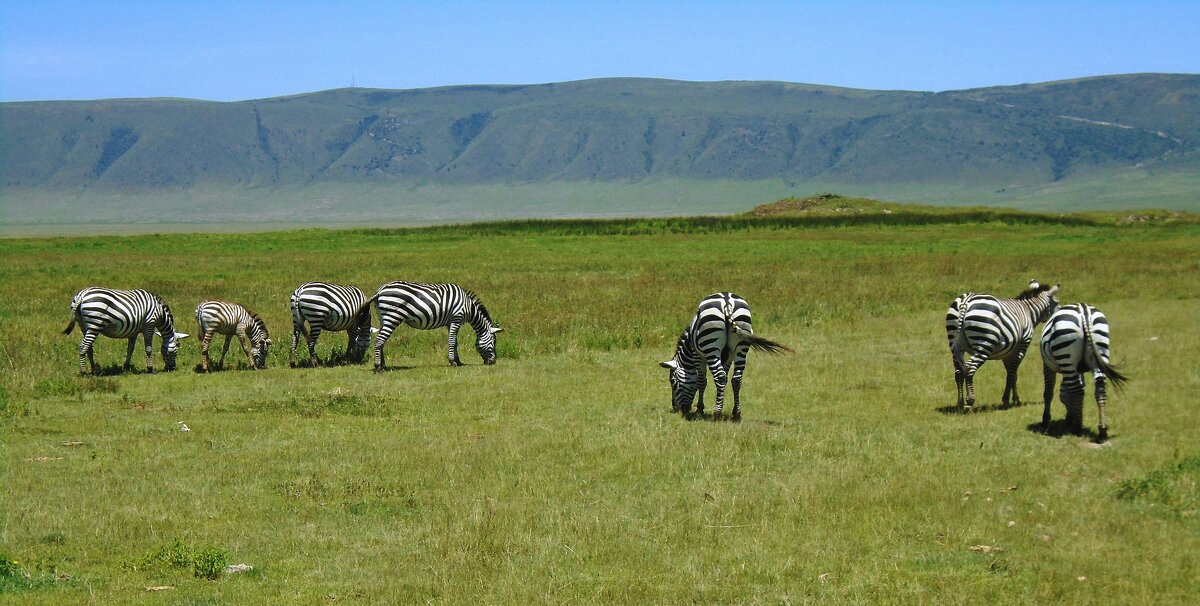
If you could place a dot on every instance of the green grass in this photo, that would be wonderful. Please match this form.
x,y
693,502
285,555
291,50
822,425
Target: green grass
x,y
558,476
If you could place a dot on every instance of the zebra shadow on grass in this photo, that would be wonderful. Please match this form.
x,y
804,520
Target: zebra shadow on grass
x,y
113,370
1060,429
955,409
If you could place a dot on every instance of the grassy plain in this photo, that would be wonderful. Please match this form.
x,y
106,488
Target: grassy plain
x,y
558,475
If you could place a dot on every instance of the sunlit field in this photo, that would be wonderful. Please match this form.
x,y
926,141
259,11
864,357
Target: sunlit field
x,y
559,476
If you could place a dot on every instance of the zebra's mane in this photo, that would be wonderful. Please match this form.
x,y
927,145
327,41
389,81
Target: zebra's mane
x,y
479,306
1031,293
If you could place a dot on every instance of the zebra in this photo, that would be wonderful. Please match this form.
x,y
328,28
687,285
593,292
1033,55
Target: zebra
x,y
719,337
123,314
429,306
326,306
229,319
1075,341
995,329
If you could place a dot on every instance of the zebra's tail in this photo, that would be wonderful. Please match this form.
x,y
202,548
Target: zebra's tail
x,y
366,307
1115,377
760,343
74,316
961,306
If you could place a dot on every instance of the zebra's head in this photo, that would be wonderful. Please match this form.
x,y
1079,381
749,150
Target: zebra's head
x,y
170,338
1042,300
260,340
485,330
684,380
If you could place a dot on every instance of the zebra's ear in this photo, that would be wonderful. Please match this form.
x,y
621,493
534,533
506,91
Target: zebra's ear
x,y
1033,284
1054,290
181,335
374,330
672,364
495,329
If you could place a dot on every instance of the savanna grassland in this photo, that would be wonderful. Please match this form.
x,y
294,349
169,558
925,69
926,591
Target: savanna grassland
x,y
559,475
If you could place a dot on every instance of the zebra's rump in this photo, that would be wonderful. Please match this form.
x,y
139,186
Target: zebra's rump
x,y
330,306
1064,342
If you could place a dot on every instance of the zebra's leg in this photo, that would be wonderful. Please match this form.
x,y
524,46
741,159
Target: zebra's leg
x,y
959,375
739,366
1071,394
453,342
295,342
720,378
225,350
1101,400
314,332
85,350
129,352
381,338
1049,376
699,396
969,369
245,343
149,339
1011,364
205,339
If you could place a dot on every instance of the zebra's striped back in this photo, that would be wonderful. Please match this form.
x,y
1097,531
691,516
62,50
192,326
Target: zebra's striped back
x,y
430,306
123,314
995,328
988,328
224,318
334,307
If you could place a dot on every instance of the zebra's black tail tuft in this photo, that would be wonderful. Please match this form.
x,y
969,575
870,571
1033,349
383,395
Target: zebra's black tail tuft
x,y
760,343
1115,377
70,327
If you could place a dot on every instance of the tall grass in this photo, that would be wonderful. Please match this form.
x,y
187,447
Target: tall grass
x,y
558,476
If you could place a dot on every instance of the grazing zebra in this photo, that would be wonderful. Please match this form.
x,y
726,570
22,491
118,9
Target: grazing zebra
x,y
332,307
229,319
429,306
995,329
719,337
1075,341
123,314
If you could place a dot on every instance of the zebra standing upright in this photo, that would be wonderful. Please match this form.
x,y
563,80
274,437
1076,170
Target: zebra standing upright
x,y
995,329
123,314
332,307
1075,341
429,306
229,319
719,337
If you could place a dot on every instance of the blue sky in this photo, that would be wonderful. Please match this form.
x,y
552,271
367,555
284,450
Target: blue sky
x,y
228,51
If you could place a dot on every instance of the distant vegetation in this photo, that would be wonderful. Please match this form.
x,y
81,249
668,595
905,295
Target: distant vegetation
x,y
596,147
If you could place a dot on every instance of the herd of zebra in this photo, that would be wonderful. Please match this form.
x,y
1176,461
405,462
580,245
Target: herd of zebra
x,y
1074,341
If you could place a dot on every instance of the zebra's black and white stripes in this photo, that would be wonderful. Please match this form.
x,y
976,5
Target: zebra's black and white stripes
x,y
989,328
429,306
324,306
718,339
229,319
123,314
1074,341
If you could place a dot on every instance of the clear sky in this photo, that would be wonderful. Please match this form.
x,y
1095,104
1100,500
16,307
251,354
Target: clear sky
x,y
228,51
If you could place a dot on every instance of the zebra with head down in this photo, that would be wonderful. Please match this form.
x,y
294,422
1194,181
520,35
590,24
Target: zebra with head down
x,y
123,314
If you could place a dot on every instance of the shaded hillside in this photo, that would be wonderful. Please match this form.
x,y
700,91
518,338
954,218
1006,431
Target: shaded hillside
x,y
613,130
